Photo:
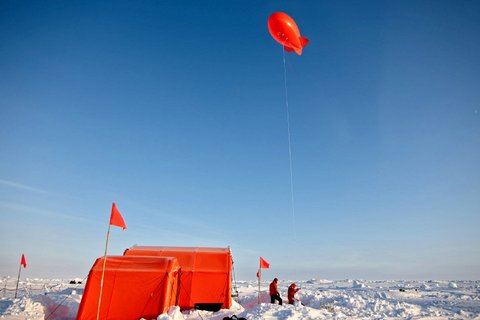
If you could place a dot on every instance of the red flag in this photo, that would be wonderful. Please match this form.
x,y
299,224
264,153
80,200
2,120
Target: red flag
x,y
23,262
258,274
264,264
116,218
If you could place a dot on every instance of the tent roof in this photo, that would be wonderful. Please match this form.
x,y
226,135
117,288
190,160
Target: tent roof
x,y
181,249
189,258
137,264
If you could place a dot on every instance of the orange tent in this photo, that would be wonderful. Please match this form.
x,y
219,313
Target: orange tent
x,y
206,277
133,288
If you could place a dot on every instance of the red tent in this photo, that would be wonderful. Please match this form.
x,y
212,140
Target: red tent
x,y
133,288
206,277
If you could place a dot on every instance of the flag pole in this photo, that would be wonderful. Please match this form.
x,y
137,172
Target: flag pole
x,y
18,279
103,272
259,277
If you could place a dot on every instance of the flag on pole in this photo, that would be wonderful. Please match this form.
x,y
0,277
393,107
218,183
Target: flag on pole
x,y
116,218
23,263
264,264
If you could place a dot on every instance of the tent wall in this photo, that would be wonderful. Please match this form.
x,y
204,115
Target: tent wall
x,y
133,288
206,276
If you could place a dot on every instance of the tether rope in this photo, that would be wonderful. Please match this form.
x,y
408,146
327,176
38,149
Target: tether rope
x,y
289,144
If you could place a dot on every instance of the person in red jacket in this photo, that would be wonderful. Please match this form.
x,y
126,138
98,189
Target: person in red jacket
x,y
274,293
292,289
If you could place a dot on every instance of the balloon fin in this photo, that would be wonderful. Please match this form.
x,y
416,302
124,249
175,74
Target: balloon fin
x,y
290,49
303,41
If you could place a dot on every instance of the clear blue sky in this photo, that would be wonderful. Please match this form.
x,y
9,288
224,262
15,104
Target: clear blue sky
x,y
176,111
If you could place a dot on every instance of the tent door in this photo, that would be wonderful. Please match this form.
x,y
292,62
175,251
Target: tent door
x,y
214,307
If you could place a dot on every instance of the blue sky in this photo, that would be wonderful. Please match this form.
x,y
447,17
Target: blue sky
x,y
176,111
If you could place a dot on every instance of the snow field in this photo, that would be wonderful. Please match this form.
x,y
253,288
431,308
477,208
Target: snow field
x,y
321,299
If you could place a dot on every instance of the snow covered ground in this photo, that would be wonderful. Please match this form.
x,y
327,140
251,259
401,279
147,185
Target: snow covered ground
x,y
322,299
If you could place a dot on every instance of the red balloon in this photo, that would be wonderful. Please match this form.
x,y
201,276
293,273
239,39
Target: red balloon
x,y
285,31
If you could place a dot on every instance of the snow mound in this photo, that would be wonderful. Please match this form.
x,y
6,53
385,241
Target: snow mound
x,y
425,286
172,314
357,284
274,311
25,307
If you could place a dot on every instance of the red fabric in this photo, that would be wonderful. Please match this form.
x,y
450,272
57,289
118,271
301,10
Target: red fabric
x,y
206,273
273,288
133,288
285,31
258,274
23,262
116,218
291,293
264,264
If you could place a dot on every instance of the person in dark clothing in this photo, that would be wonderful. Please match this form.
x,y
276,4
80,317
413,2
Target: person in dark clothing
x,y
274,293
292,289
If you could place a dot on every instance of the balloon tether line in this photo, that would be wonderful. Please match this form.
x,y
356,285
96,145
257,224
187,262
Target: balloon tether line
x,y
289,142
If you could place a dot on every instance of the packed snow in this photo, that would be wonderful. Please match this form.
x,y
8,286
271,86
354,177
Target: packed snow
x,y
317,299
